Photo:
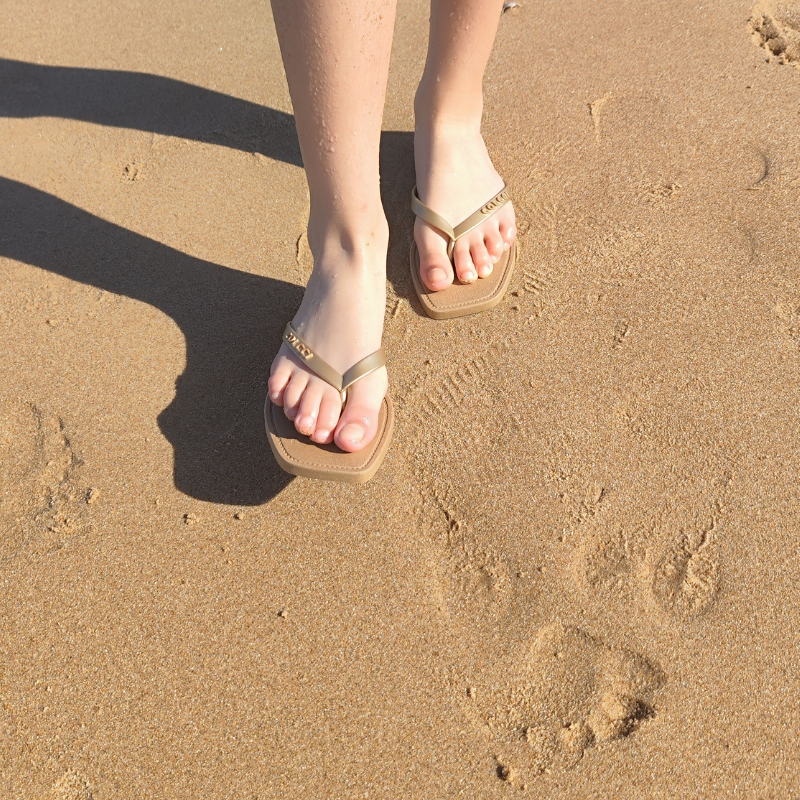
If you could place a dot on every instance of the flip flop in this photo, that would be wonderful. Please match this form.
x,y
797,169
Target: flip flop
x,y
460,299
298,454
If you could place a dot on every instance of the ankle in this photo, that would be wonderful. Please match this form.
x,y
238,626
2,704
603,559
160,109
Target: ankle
x,y
439,109
361,238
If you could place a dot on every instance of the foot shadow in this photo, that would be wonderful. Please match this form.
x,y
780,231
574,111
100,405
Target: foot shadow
x,y
232,322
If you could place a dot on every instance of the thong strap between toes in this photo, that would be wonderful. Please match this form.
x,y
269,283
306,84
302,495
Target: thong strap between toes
x,y
324,370
472,221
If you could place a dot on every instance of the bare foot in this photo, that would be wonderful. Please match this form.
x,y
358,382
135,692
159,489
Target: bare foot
x,y
455,177
341,318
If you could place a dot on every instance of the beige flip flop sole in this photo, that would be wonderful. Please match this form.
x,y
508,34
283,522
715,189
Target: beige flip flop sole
x,y
462,299
298,455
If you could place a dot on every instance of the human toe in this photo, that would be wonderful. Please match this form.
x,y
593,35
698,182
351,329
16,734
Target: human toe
x,y
352,435
495,246
329,411
465,267
436,276
293,393
480,258
435,268
308,410
508,229
509,234
359,420
278,380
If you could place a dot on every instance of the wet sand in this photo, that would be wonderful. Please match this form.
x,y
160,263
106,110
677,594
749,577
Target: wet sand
x,y
577,573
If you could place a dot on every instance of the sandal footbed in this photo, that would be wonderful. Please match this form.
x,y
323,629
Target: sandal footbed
x,y
462,299
299,455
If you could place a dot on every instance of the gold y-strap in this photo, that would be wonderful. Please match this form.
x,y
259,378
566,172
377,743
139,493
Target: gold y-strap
x,y
325,371
472,221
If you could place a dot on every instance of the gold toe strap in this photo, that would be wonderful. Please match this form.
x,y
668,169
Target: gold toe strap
x,y
472,221
325,371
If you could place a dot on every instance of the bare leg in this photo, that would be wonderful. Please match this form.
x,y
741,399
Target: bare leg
x,y
336,54
454,173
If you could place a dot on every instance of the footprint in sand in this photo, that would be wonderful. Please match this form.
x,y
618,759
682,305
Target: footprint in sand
x,y
478,578
513,490
572,693
788,313
40,501
71,786
680,574
686,578
775,25
473,573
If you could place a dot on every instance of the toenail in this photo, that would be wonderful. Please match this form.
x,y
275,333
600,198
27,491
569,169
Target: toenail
x,y
353,433
437,275
506,246
321,435
469,276
305,422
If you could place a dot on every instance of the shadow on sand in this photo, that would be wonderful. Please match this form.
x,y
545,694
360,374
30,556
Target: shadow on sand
x,y
231,320
149,103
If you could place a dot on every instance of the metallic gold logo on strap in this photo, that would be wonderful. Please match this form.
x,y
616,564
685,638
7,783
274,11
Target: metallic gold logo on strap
x,y
298,345
495,203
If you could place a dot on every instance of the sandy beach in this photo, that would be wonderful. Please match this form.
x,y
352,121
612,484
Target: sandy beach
x,y
576,575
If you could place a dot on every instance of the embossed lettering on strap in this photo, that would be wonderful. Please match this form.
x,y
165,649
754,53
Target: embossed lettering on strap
x,y
485,211
472,221
325,371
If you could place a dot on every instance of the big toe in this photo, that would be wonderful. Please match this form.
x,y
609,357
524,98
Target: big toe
x,y
435,268
359,421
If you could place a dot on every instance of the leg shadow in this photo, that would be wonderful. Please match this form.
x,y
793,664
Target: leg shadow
x,y
144,102
232,322
397,181
155,104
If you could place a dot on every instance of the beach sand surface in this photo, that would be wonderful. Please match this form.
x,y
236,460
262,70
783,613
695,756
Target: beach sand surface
x,y
576,575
